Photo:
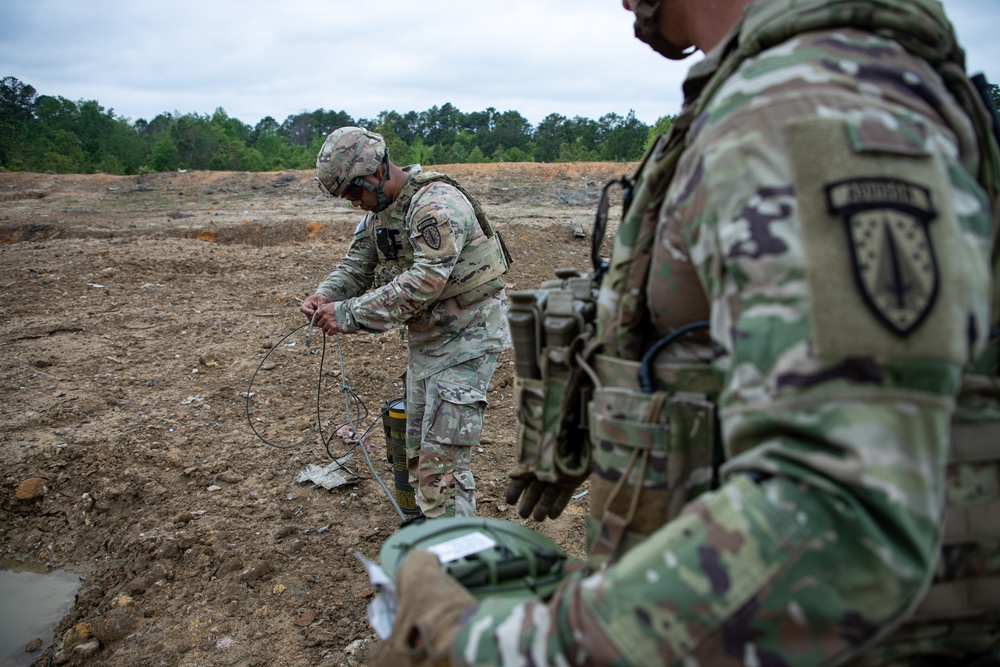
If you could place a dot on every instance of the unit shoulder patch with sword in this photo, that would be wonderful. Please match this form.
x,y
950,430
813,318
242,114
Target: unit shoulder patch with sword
x,y
895,267
428,229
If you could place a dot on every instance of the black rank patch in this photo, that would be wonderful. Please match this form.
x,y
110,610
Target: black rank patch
x,y
895,266
428,229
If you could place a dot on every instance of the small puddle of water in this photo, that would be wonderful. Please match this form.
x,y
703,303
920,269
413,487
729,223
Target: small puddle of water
x,y
32,602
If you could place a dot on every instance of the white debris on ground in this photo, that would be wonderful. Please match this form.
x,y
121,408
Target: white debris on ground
x,y
330,476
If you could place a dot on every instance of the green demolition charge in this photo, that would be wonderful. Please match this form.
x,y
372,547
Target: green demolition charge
x,y
487,556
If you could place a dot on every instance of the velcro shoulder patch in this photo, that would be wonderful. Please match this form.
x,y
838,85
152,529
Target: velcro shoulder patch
x,y
885,257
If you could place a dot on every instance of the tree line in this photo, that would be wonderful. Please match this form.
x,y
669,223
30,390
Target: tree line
x,y
43,133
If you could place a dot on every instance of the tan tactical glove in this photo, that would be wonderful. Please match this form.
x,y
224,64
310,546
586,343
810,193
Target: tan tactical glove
x,y
430,605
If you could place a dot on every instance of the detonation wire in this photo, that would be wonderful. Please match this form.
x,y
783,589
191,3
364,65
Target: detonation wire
x,y
348,393
248,394
316,427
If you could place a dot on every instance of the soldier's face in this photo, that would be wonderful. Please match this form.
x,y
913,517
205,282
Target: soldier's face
x,y
362,197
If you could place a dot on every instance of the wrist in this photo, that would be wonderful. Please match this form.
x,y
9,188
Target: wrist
x,y
344,318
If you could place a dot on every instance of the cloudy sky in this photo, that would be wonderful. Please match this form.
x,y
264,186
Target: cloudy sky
x,y
257,58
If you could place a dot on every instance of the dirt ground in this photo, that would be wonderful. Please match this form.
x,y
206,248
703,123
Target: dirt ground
x,y
135,311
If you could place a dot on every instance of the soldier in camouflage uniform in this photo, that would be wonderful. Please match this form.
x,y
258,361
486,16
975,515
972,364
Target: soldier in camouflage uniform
x,y
827,200
424,256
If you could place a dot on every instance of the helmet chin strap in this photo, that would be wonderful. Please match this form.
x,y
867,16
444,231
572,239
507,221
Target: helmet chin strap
x,y
383,201
647,29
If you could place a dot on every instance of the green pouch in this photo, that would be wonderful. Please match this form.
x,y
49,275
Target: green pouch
x,y
529,401
651,454
622,428
551,434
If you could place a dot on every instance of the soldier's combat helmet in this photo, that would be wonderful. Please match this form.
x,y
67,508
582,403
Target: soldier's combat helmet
x,y
347,156
647,29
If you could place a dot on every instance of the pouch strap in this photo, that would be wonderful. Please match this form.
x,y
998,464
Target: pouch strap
x,y
960,599
609,536
975,443
974,522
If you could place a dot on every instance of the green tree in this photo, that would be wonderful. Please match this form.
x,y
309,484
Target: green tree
x,y
476,156
479,123
386,125
624,138
440,125
301,129
196,145
453,153
510,129
165,156
17,101
125,149
661,126
582,138
232,128
403,127
265,125
228,143
551,133
515,154
57,150
253,161
275,152
419,153
17,107
577,151
54,133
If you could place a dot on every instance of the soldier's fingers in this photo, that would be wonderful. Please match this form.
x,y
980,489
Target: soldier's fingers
x,y
560,503
545,504
514,489
531,497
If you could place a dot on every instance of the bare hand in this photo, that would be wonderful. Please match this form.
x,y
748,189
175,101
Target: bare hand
x,y
325,319
311,304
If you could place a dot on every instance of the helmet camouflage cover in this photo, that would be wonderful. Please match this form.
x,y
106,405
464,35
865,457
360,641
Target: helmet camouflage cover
x,y
348,153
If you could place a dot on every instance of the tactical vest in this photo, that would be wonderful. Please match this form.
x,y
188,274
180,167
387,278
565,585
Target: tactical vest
x,y
637,433
481,261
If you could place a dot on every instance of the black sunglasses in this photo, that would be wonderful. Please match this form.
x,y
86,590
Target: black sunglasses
x,y
353,190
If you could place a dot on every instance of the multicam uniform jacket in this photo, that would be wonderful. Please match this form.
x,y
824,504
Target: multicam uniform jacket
x,y
824,214
420,255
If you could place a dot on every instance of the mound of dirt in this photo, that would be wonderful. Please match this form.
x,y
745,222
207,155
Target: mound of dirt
x,y
136,312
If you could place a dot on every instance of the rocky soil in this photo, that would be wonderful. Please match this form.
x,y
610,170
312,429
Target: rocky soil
x,y
135,312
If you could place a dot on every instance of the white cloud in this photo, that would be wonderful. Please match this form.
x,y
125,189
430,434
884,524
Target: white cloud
x,y
259,58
